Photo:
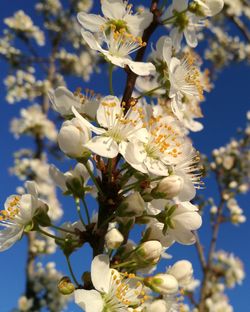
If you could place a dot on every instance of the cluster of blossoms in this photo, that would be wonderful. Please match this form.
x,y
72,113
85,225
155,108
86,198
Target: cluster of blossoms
x,y
44,282
132,157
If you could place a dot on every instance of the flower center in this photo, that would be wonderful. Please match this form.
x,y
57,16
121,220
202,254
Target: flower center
x,y
12,209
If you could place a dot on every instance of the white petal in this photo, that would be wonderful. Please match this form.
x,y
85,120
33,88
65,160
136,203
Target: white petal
x,y
134,153
107,115
138,23
167,50
113,9
141,68
101,273
58,177
176,36
91,41
116,60
156,167
89,300
62,100
180,5
91,22
31,187
103,146
9,236
86,123
191,37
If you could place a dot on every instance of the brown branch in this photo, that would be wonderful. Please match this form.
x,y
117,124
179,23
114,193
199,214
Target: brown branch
x,y
242,27
131,77
200,250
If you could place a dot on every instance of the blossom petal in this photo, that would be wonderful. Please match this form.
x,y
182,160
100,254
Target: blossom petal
x,y
9,236
103,146
191,37
86,123
89,300
113,9
109,109
141,68
91,22
91,41
101,273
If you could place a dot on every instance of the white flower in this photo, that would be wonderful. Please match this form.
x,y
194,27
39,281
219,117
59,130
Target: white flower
x,y
116,129
119,14
19,212
72,138
188,23
183,271
163,147
170,186
210,7
180,220
119,46
112,291
62,101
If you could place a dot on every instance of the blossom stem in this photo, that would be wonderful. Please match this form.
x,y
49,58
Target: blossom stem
x,y
111,66
86,210
78,208
93,177
169,19
62,229
50,235
148,93
71,271
119,265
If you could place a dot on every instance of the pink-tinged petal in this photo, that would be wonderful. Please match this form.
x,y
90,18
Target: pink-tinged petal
x,y
91,22
86,123
103,146
101,273
141,68
91,41
109,109
113,9
89,300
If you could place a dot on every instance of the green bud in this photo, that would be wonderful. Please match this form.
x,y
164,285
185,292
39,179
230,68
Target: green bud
x,y
65,286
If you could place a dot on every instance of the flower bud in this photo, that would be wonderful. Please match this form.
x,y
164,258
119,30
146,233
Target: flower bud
x,y
165,284
113,238
158,305
168,187
183,271
149,253
72,138
65,286
132,205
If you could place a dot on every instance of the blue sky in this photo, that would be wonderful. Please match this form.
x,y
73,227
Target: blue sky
x,y
224,111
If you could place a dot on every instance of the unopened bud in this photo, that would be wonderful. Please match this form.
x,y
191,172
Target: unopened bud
x,y
165,284
133,205
113,238
65,286
149,253
168,187
183,271
158,305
